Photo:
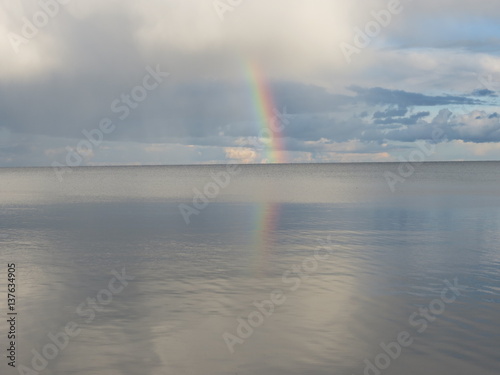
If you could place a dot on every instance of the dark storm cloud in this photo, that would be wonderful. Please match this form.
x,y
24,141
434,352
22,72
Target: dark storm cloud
x,y
481,128
405,99
101,59
301,98
410,120
97,60
205,112
390,113
483,92
92,53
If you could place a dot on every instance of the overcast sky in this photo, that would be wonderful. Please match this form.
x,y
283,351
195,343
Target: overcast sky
x,y
167,80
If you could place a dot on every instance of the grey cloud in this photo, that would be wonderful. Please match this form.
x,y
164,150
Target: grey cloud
x,y
404,99
207,101
410,120
452,128
390,113
207,112
302,98
483,92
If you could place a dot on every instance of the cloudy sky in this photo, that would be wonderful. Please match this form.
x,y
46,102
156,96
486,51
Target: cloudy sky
x,y
167,81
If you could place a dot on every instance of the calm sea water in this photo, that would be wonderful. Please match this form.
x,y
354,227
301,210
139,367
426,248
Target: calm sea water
x,y
289,269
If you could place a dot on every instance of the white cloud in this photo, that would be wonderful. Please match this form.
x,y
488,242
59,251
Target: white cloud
x,y
242,155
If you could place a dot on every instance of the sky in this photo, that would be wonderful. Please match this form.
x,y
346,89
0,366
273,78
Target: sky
x,y
93,82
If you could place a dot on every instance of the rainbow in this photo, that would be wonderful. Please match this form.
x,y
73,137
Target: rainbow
x,y
265,110
267,213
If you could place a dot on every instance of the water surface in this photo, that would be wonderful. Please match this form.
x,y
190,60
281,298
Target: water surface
x,y
352,261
